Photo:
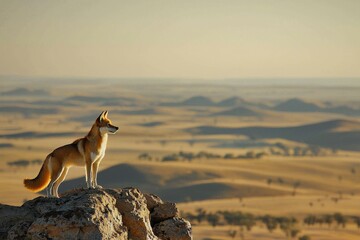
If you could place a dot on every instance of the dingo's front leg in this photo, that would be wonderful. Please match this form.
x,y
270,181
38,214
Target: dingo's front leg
x,y
95,168
88,173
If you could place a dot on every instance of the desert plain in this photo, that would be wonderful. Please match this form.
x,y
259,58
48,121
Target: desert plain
x,y
289,151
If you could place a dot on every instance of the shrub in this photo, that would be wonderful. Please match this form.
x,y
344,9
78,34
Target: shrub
x,y
305,237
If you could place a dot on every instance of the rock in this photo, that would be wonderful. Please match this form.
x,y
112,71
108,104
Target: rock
x,y
152,201
87,214
173,229
19,230
159,210
94,214
163,212
11,215
41,205
132,205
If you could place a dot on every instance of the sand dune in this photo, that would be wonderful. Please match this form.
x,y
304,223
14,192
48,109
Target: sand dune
x,y
122,175
21,91
324,134
231,102
216,190
178,184
241,112
85,119
193,101
146,111
6,145
104,101
328,182
202,101
28,111
151,124
207,102
29,135
299,105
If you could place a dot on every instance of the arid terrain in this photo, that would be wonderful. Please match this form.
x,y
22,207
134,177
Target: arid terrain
x,y
281,151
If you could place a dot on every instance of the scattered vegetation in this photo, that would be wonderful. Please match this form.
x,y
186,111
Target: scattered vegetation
x,y
281,181
6,145
245,222
240,222
337,219
281,149
189,156
305,237
24,163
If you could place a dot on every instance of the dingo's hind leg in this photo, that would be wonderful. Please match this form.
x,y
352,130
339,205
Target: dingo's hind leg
x,y
56,170
59,181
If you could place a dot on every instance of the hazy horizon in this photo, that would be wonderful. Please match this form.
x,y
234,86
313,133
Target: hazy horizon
x,y
180,39
291,82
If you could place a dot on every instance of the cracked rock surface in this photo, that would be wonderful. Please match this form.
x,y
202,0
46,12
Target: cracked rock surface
x,y
94,214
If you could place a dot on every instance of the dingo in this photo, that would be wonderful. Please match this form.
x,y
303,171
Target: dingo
x,y
87,151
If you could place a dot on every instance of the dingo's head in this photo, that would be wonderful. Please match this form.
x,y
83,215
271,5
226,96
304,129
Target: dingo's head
x,y
104,124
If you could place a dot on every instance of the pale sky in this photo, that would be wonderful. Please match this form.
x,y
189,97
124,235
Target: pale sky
x,y
180,39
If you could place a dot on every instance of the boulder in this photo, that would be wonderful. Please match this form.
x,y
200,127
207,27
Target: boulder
x,y
163,212
94,214
173,229
132,205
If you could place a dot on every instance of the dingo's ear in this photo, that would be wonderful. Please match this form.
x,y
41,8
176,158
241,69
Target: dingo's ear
x,y
105,114
101,117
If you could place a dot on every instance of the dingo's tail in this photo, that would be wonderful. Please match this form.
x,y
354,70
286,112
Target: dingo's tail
x,y
42,179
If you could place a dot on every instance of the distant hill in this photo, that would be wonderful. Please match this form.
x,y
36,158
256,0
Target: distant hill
x,y
86,118
89,99
343,110
172,184
151,124
216,190
146,111
231,102
299,105
28,111
6,145
339,134
29,135
193,101
201,101
121,175
198,101
104,101
25,92
42,103
240,112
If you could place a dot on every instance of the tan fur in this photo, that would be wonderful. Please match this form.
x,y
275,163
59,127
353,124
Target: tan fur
x,y
42,179
84,151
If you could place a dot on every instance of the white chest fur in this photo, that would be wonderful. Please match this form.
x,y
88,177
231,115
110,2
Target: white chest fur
x,y
101,151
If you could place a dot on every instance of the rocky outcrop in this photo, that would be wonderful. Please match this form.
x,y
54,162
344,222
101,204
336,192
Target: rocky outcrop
x,y
173,229
95,214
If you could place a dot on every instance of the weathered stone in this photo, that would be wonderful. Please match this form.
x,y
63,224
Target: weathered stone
x,y
18,231
93,214
83,215
152,201
163,212
173,229
41,205
11,215
131,203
